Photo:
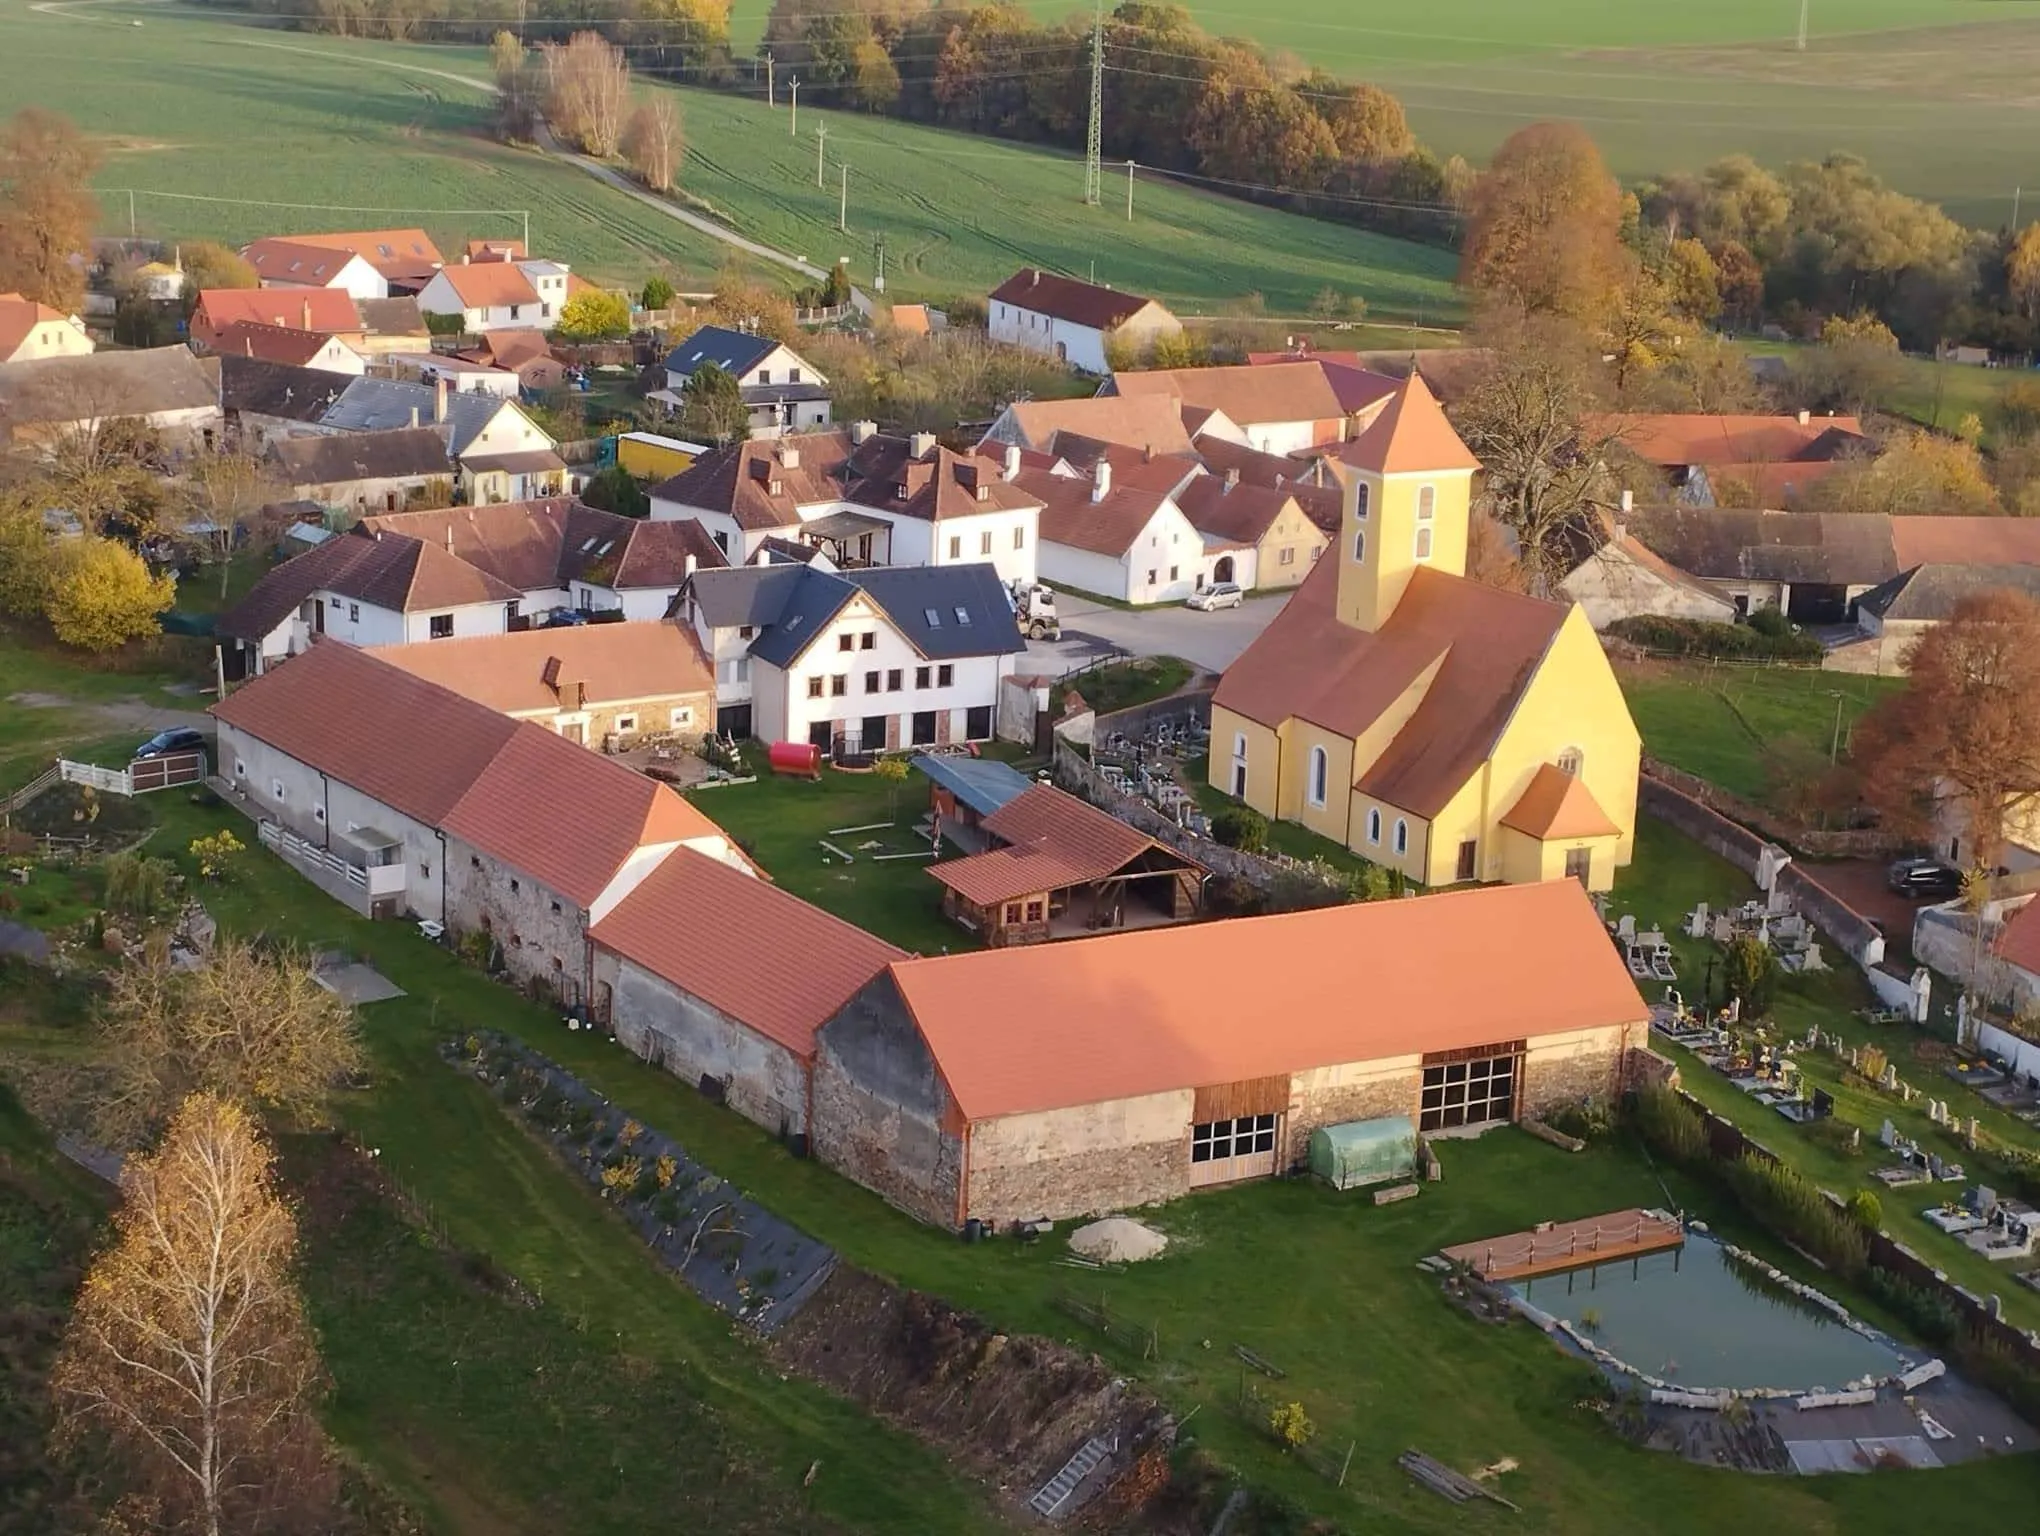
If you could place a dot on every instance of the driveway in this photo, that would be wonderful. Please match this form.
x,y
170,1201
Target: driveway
x,y
1212,641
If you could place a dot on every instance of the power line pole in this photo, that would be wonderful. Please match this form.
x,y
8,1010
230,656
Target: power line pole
x,y
2015,207
131,214
878,252
1129,191
1803,5
771,99
793,100
843,207
1094,139
821,141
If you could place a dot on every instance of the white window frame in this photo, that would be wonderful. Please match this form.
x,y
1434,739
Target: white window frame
x,y
626,724
681,717
1374,827
1402,837
1571,762
1320,777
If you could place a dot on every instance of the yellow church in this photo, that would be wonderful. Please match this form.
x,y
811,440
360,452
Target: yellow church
x,y
1431,724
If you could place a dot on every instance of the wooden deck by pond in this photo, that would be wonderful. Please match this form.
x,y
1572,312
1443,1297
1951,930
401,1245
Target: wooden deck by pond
x,y
1555,1246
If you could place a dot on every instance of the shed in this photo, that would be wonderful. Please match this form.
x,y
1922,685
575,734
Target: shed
x,y
965,790
1361,1152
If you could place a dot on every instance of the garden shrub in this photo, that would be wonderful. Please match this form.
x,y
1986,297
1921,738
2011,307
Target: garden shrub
x,y
1751,972
1705,640
1241,827
1930,1316
1866,1210
1793,1208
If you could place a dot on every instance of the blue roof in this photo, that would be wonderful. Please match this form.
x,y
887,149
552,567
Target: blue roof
x,y
945,611
982,783
735,352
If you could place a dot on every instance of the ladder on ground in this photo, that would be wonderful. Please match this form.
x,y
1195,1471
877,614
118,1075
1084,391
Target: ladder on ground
x,y
1057,1490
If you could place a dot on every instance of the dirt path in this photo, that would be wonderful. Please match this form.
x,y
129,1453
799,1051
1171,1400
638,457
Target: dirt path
x,y
135,714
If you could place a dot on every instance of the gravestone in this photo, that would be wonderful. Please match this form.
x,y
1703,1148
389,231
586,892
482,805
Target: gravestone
x,y
1934,1165
1969,1133
1890,1079
1887,1134
1855,1139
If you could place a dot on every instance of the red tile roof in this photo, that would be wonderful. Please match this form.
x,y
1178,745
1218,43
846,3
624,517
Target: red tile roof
x,y
599,664
1557,805
19,316
567,817
1275,392
490,284
405,575
296,263
1741,441
1410,436
1153,421
699,924
392,252
1065,298
1071,518
1162,1010
271,343
1053,840
1965,541
305,309
1241,514
1487,645
2019,943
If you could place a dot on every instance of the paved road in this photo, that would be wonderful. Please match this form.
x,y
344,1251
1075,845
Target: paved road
x,y
1210,640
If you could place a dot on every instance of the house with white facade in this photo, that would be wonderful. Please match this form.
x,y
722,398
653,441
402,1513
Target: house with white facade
x,y
1119,531
500,453
491,295
292,347
1280,408
783,390
406,258
52,400
29,330
1070,320
867,497
490,825
283,263
859,660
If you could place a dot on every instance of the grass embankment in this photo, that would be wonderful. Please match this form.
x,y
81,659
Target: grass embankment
x,y
1747,729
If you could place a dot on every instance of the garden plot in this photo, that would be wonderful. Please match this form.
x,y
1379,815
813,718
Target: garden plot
x,y
738,1257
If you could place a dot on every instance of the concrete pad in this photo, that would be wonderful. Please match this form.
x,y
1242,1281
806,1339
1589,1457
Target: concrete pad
x,y
355,983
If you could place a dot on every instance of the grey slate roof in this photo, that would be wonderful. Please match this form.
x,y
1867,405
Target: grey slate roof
x,y
258,387
379,405
1838,548
338,457
103,384
734,351
945,611
1927,594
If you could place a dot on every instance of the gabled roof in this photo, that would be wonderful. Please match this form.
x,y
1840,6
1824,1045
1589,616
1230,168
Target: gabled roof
x,y
296,262
743,594
699,924
1152,421
1486,645
20,316
98,385
1966,540
884,472
1277,392
1065,298
1733,544
532,545
762,483
541,670
392,252
1071,518
981,783
375,405
338,457
510,347
404,575
1928,594
1555,805
406,742
1410,436
261,388
565,816
392,317
736,352
305,309
1090,1021
1674,441
1240,514
489,284
944,611
272,343
1051,840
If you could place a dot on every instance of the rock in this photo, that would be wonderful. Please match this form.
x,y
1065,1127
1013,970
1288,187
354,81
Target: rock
x,y
1117,1240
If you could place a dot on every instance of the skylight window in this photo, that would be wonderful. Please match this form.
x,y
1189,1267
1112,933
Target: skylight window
x,y
963,616
607,547
794,623
383,250
934,618
587,545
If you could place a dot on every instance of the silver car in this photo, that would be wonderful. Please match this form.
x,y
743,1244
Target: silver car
x,y
1223,594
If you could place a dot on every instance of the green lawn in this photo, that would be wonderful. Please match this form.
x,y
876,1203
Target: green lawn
x,y
1123,684
1742,727
46,694
1933,393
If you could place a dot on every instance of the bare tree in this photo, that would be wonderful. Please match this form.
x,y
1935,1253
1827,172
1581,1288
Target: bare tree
x,y
188,1348
587,91
258,1027
652,143
516,110
222,492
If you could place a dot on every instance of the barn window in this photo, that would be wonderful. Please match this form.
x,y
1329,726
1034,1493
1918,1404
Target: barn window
x,y
1241,1137
625,724
682,716
1012,911
1320,774
1474,1091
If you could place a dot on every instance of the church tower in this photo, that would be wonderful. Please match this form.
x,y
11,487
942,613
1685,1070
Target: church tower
x,y
1408,483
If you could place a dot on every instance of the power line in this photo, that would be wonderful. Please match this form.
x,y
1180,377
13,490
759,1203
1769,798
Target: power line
x,y
1094,135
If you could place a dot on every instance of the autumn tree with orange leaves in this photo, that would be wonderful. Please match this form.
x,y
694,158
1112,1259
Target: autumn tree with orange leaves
x,y
1961,743
188,1352
1546,229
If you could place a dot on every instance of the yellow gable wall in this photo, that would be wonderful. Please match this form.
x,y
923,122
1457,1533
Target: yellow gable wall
x,y
1263,748
1293,531
1329,819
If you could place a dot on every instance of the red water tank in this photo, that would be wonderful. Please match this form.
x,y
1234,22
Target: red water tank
x,y
801,757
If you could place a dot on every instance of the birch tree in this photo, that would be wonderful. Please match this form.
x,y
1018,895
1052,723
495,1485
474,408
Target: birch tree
x,y
652,143
587,92
188,1349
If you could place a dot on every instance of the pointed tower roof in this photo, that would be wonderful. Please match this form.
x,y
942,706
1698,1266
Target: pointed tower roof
x,y
1410,436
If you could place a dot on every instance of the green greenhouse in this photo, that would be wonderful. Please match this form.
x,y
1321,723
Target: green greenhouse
x,y
1364,1151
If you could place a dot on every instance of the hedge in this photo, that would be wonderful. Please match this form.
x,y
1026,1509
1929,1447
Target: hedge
x,y
1720,642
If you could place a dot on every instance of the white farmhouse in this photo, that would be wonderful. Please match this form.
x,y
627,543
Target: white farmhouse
x,y
1069,320
785,392
492,295
284,263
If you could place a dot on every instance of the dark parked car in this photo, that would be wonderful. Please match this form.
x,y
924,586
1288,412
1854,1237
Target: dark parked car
x,y
1920,878
180,738
556,618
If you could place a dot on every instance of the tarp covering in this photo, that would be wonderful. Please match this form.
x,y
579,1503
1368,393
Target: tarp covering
x,y
1364,1151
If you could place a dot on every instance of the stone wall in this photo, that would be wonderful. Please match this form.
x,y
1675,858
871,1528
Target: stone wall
x,y
1829,913
877,1107
1333,1097
1817,841
1090,1183
542,936
762,1080
1704,825
1191,707
1565,1076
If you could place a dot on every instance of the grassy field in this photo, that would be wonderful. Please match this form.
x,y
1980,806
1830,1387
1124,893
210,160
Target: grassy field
x,y
1740,727
1935,394
202,106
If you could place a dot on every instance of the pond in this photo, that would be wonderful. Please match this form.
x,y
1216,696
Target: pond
x,y
1698,1319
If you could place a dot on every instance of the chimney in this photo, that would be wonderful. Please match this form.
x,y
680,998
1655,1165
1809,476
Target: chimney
x,y
414,416
1628,502
1033,276
1011,470
1101,480
1232,478
789,456
763,557
861,431
177,259
306,311
920,445
439,398
466,257
248,345
1805,417
690,565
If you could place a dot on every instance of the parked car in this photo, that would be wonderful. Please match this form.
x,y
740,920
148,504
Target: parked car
x,y
180,738
1920,878
554,618
1223,594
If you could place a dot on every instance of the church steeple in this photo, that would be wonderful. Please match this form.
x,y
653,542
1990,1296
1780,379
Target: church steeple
x,y
1408,482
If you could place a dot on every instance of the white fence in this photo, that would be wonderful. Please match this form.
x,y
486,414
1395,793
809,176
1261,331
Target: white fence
x,y
143,776
289,845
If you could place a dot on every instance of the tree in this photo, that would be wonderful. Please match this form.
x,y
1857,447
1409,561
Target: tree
x,y
652,143
47,212
657,294
1366,122
1855,367
221,493
1545,227
2022,271
208,264
616,490
517,93
594,314
1740,282
1961,742
1866,1210
1491,554
1640,329
101,595
712,408
255,1027
1918,474
1530,418
188,1348
1751,975
892,771
1740,203
27,556
587,89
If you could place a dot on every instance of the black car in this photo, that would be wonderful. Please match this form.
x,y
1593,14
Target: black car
x,y
1919,878
180,738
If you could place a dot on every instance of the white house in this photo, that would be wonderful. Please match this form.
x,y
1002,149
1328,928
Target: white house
x,y
283,263
785,392
501,453
462,376
291,347
861,660
1125,539
866,497
490,295
1069,320
29,330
